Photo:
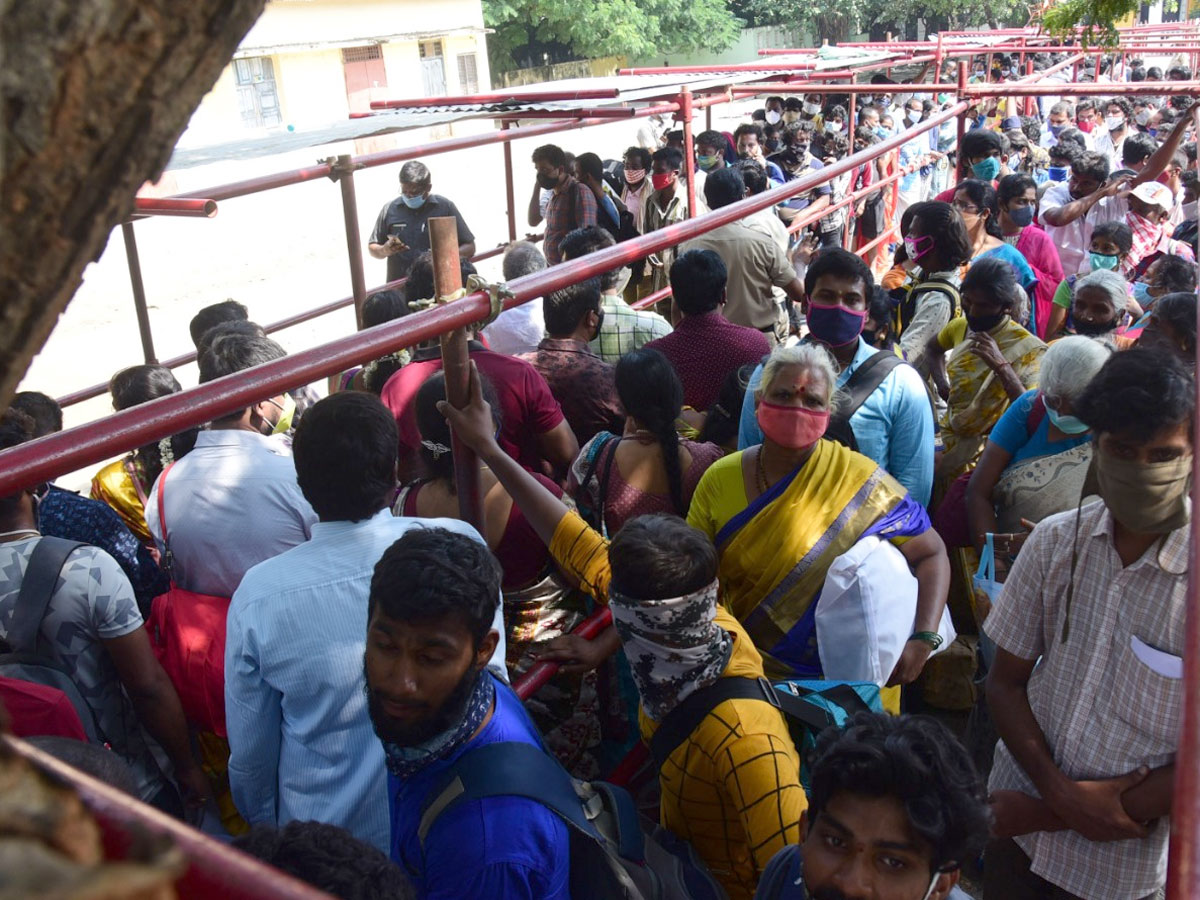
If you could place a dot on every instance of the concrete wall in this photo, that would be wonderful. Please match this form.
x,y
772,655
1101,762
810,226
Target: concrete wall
x,y
744,50
582,68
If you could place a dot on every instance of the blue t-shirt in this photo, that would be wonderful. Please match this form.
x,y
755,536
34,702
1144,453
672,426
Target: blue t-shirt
x,y
506,847
1012,433
1021,268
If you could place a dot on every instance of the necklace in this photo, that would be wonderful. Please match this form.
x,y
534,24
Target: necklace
x,y
760,472
642,436
12,535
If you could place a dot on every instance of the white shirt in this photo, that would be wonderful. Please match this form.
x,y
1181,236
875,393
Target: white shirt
x,y
301,742
1074,238
517,330
1105,145
230,504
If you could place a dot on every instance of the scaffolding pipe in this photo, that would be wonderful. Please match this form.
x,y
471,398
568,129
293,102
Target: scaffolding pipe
x,y
500,97
67,451
139,293
343,170
198,208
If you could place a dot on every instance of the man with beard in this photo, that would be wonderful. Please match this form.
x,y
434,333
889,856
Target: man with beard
x,y
301,745
894,810
430,633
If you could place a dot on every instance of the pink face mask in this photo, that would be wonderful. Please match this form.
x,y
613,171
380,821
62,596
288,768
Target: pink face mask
x,y
918,246
794,427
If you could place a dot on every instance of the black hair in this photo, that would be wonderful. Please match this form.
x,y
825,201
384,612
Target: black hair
x,y
1074,137
235,353
799,127
669,155
979,142
1154,73
793,104
1031,130
698,279
432,574
416,173
774,97
722,420
995,277
552,154
710,139
383,306
1017,139
723,187
1092,164
522,258
15,429
1012,186
243,327
1117,232
96,760
840,263
589,164
1138,147
1175,273
917,761
420,277
983,195
1067,151
660,556
225,311
44,410
748,128
880,309
141,384
652,393
753,175
329,858
836,145
433,427
589,239
835,112
952,243
1179,310
565,308
1125,105
345,451
1140,392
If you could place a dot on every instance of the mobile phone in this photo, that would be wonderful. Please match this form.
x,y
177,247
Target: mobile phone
x,y
397,229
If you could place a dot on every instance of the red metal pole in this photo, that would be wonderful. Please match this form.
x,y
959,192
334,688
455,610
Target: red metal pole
x,y
500,97
538,674
456,364
689,150
509,194
344,172
67,451
1029,101
962,121
199,208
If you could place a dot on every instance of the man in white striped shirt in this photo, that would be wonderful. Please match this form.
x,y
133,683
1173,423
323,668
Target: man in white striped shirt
x,y
301,741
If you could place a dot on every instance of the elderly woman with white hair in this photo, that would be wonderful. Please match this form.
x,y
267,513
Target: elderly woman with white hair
x,y
781,512
1038,453
1098,303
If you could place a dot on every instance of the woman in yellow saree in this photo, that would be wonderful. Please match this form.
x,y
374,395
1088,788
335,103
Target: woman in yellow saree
x,y
782,512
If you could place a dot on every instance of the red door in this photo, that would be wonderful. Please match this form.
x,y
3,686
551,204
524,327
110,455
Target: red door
x,y
365,76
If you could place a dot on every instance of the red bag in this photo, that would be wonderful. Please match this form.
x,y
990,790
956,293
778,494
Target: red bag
x,y
187,634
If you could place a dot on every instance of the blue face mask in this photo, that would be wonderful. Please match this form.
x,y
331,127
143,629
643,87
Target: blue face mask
x,y
1058,173
1103,261
1141,293
413,202
986,169
1066,424
1056,130
882,133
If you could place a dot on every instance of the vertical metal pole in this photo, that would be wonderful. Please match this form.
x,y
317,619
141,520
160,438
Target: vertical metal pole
x,y
852,124
1029,101
689,150
343,170
708,118
1183,861
139,293
1099,56
456,364
937,60
962,121
509,193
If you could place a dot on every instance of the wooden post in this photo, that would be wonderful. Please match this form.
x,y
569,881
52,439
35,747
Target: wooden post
x,y
456,365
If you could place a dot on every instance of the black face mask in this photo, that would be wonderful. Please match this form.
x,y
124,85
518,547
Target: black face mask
x,y
985,323
549,182
1095,329
772,146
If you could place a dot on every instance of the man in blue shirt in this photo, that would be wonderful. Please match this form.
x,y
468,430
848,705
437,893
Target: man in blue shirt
x,y
894,424
301,744
430,634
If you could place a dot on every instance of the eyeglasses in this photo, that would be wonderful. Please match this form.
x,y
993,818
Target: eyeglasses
x,y
965,207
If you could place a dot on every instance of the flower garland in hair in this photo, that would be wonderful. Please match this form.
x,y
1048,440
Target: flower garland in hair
x,y
401,357
166,453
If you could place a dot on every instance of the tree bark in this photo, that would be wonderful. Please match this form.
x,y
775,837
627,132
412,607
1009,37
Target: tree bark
x,y
95,94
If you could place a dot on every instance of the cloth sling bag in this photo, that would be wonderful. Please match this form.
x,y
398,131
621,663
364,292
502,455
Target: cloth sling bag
x,y
187,634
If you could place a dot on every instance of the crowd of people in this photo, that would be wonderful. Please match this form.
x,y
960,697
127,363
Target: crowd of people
x,y
1000,396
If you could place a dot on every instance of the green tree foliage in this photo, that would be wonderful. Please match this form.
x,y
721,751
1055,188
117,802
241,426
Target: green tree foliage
x,y
529,31
839,20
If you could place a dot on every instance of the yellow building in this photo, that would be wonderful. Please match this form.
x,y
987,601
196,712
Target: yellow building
x,y
310,63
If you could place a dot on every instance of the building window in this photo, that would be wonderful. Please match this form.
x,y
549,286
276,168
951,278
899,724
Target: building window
x,y
433,68
257,96
468,73
361,54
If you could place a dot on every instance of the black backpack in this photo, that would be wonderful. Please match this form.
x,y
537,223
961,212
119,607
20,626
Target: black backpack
x,y
25,654
615,854
906,301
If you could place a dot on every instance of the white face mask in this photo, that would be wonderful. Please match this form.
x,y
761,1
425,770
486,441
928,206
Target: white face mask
x,y
773,117
914,116
811,109
832,127
1143,117
1114,123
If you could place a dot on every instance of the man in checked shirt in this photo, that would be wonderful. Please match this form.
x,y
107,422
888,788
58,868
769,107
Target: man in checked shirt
x,y
1087,685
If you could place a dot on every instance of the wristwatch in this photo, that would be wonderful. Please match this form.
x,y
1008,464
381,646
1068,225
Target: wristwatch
x,y
932,638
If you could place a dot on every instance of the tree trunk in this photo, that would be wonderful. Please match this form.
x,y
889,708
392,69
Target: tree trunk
x,y
95,94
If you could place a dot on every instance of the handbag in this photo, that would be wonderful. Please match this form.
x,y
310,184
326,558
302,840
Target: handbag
x,y
987,588
187,634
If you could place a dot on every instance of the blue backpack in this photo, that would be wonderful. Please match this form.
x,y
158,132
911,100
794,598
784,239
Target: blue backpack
x,y
615,854
809,707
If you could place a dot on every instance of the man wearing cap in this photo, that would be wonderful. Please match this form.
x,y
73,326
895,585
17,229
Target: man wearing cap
x,y
1148,207
402,230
